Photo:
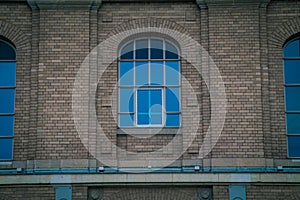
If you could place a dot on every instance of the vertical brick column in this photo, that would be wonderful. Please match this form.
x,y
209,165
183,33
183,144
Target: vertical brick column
x,y
34,84
265,80
205,97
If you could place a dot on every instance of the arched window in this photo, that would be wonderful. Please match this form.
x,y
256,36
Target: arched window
x,y
149,84
291,56
7,98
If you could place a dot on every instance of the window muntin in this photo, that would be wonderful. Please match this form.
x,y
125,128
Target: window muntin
x,y
291,59
149,67
7,99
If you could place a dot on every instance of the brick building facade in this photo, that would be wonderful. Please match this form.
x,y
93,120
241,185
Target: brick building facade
x,y
62,149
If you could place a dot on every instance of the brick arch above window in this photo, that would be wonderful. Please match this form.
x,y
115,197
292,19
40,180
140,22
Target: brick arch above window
x,y
148,22
284,32
14,35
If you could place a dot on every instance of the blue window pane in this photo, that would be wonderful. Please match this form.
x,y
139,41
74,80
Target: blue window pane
x,y
126,120
7,74
6,125
173,120
7,52
291,49
141,47
126,73
127,51
294,146
156,50
126,99
172,73
7,101
156,118
149,106
143,101
156,101
292,71
156,106
292,98
6,145
157,73
171,51
172,99
155,97
293,123
141,76
143,119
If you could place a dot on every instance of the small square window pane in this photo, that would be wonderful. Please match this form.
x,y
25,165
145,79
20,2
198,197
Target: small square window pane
x,y
126,120
143,101
7,126
126,99
294,146
156,97
171,51
292,71
156,50
6,145
172,73
292,49
141,77
292,98
141,49
7,74
143,119
126,73
127,51
172,99
173,120
156,118
7,101
157,73
293,123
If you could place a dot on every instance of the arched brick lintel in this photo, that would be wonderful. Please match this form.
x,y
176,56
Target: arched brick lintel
x,y
148,22
284,32
15,35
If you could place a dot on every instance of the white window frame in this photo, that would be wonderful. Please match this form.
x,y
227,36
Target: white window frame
x,y
162,87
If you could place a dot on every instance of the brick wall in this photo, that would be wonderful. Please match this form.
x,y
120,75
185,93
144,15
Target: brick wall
x,y
273,192
64,42
259,192
151,192
234,46
245,43
27,192
55,42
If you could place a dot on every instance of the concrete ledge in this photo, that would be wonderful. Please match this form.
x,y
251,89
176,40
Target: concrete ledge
x,y
178,178
64,4
216,3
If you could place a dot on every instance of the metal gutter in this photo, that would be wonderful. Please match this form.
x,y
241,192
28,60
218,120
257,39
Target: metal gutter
x,y
128,170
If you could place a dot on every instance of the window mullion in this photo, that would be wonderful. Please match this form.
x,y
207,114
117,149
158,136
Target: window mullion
x,y
149,106
149,62
134,86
